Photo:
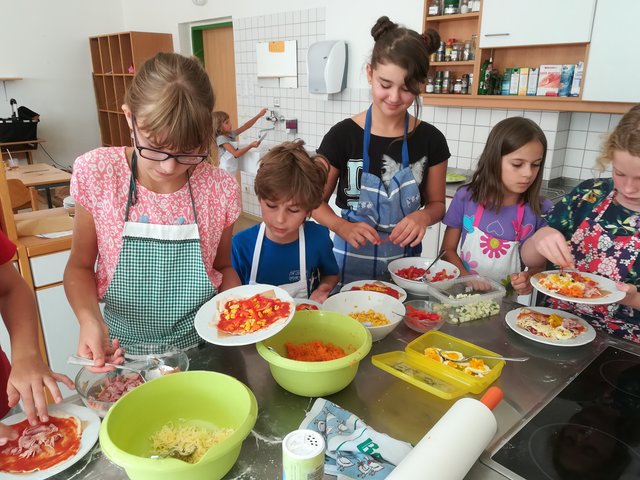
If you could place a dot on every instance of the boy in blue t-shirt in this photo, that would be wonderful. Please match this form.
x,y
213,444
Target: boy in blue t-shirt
x,y
289,185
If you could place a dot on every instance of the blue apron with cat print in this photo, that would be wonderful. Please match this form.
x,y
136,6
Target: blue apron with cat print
x,y
383,208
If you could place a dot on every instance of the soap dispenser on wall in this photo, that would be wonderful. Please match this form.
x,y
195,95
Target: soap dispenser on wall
x,y
327,67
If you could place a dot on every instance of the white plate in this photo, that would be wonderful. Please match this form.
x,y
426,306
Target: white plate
x,y
91,423
582,339
614,295
306,301
207,317
401,291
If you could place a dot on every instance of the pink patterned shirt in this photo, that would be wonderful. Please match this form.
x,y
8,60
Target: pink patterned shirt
x,y
100,183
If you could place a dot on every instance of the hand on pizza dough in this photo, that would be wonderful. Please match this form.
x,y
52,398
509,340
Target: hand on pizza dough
x,y
29,375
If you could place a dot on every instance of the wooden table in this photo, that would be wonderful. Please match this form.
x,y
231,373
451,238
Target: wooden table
x,y
41,176
26,147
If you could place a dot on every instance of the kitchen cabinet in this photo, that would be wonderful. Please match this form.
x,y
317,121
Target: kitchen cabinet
x,y
614,34
538,48
115,59
509,23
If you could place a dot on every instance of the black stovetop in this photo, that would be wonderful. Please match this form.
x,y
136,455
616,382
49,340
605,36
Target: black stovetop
x,y
589,431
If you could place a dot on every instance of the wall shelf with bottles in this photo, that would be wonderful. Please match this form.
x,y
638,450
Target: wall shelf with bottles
x,y
462,26
115,59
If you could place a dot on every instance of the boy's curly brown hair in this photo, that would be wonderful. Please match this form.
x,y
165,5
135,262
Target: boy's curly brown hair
x,y
288,172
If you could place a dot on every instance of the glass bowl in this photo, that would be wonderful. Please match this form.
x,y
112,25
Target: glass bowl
x,y
417,309
89,386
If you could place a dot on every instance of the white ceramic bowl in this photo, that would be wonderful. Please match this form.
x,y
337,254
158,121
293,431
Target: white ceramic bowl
x,y
361,301
402,295
412,286
303,304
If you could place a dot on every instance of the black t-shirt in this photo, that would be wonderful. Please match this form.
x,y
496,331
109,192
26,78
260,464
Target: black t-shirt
x,y
342,146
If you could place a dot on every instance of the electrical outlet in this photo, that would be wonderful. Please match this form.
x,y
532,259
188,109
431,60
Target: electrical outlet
x,y
276,102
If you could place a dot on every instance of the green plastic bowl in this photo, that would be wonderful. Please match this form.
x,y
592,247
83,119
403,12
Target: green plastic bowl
x,y
207,397
316,379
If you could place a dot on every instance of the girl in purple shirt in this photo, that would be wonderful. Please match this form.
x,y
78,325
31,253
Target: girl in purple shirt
x,y
501,207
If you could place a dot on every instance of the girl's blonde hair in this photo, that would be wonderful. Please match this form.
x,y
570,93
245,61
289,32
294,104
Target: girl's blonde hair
x,y
219,117
625,137
506,137
172,100
287,172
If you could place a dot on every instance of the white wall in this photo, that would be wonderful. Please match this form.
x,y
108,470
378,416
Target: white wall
x,y
46,43
345,20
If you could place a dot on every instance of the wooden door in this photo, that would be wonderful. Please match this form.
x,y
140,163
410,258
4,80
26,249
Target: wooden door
x,y
219,62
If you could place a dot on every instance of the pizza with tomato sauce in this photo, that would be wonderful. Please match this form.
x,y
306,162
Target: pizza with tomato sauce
x,y
378,287
42,446
239,316
571,284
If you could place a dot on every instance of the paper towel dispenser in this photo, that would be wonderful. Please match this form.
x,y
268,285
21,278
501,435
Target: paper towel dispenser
x,y
327,67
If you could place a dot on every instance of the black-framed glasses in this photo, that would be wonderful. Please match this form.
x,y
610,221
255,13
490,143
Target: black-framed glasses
x,y
160,156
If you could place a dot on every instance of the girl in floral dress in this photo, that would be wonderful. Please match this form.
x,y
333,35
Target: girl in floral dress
x,y
501,207
595,228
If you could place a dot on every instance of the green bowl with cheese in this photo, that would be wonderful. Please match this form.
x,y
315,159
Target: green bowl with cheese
x,y
208,399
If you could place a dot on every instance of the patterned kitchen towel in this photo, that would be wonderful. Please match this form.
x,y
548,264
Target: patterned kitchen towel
x,y
354,450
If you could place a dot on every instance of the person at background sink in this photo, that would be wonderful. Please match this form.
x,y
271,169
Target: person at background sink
x,y
387,163
501,207
157,217
29,375
226,139
285,249
596,228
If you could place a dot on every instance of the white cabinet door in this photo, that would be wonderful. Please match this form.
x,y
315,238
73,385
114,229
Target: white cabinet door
x,y
509,23
61,331
48,269
612,41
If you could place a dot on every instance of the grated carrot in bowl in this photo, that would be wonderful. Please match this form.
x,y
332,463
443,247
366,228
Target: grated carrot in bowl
x,y
314,351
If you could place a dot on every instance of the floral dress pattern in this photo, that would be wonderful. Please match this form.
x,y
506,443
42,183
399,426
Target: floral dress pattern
x,y
605,240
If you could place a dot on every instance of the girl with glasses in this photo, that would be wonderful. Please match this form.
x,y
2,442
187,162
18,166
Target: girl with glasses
x,y
157,218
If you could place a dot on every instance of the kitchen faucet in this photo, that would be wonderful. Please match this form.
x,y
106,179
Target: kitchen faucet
x,y
274,117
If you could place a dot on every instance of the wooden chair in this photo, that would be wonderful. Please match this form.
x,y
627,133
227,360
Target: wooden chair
x,y
21,196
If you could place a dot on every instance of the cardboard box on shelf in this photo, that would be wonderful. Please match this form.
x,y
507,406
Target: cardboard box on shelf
x,y
576,83
515,78
566,77
532,84
522,83
549,80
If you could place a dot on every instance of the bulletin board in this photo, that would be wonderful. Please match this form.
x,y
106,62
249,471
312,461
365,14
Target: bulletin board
x,y
277,62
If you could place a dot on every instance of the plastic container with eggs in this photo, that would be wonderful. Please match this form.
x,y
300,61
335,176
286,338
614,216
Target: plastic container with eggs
x,y
418,366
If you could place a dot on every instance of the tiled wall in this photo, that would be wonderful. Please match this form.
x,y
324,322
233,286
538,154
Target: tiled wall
x,y
573,138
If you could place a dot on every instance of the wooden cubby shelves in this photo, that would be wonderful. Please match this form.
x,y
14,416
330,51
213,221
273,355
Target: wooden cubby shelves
x,y
115,59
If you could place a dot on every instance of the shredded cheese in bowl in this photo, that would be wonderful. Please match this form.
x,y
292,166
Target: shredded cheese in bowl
x,y
186,442
370,317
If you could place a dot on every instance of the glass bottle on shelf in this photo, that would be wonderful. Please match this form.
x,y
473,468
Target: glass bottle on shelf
x,y
464,6
434,8
437,87
446,82
440,53
451,7
430,85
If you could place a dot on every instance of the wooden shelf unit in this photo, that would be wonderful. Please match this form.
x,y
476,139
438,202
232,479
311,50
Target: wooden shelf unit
x,y
462,26
115,59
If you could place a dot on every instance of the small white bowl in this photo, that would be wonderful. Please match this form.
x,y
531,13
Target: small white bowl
x,y
413,286
402,295
303,304
361,301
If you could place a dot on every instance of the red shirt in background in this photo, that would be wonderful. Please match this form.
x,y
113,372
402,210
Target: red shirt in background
x,y
7,250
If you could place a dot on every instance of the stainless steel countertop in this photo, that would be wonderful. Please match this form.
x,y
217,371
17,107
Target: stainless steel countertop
x,y
385,402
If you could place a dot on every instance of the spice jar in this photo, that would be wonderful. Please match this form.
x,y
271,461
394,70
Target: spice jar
x,y
440,52
430,86
446,82
464,6
437,87
434,8
464,87
448,49
456,52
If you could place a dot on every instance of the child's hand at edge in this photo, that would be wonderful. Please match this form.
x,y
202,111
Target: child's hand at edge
x,y
320,294
520,283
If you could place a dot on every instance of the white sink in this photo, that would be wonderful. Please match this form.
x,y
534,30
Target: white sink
x,y
249,161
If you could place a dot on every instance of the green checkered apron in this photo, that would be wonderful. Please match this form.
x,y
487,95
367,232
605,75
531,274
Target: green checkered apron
x,y
160,282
